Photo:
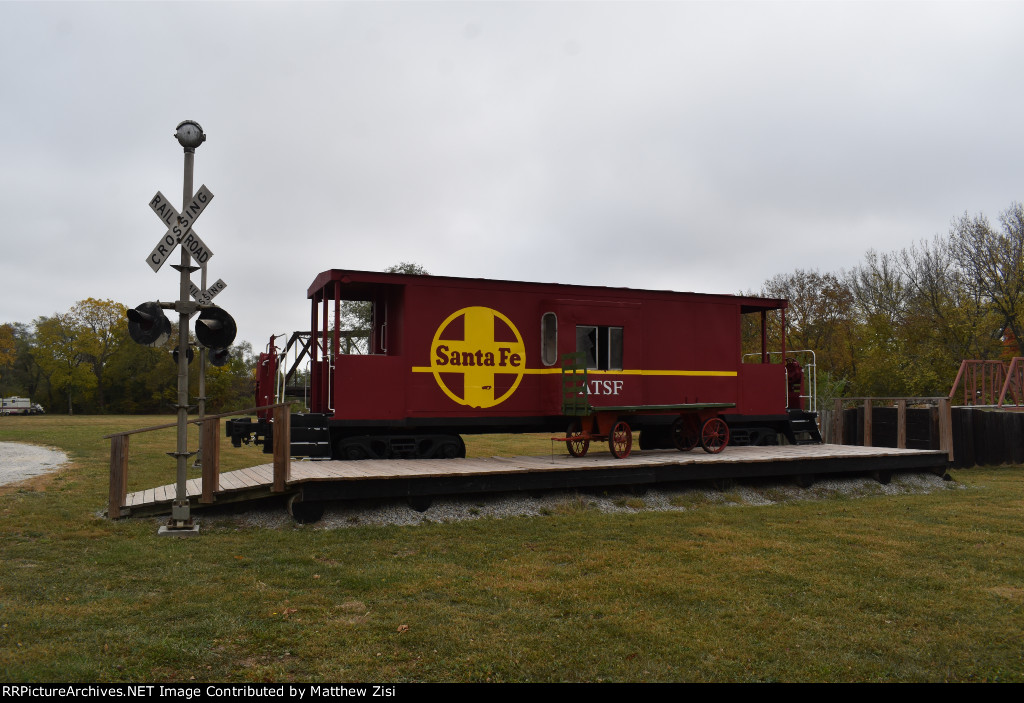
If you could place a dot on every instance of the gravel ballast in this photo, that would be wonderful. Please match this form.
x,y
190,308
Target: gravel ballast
x,y
678,497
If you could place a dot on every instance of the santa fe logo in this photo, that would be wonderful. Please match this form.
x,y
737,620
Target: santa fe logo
x,y
478,357
179,229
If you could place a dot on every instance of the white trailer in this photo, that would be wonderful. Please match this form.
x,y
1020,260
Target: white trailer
x,y
19,406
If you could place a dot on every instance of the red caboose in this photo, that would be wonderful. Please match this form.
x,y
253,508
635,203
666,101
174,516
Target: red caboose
x,y
449,356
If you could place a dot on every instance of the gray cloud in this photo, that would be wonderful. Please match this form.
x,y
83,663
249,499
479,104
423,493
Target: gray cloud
x,y
694,146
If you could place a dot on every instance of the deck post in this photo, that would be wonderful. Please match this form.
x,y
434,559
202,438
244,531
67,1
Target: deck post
x,y
837,422
118,475
282,447
901,423
946,427
867,423
210,442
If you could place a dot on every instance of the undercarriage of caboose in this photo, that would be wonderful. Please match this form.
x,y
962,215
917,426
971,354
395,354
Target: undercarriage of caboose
x,y
428,369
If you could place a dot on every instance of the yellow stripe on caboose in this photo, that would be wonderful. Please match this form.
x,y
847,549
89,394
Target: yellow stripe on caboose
x,y
623,372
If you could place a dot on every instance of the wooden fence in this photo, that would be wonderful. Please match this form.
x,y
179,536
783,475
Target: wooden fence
x,y
915,423
971,436
210,457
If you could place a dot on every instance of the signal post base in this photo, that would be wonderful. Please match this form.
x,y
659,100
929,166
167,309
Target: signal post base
x,y
171,531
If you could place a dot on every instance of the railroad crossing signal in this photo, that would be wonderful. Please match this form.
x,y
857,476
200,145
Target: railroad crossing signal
x,y
179,228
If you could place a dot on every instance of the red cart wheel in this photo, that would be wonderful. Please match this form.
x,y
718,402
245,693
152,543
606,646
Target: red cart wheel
x,y
620,440
578,444
683,436
714,435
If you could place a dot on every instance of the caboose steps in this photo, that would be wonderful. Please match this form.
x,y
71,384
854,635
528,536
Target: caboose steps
x,y
312,481
803,428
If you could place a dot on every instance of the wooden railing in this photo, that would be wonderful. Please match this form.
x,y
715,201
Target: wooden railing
x,y
210,457
945,419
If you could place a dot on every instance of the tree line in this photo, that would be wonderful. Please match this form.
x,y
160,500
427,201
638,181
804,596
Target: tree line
x,y
896,324
899,323
83,361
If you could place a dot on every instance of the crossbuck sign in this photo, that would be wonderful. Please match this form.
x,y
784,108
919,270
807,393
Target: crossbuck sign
x,y
179,229
206,296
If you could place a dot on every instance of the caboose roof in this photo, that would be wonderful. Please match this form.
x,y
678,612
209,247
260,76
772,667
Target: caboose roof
x,y
357,285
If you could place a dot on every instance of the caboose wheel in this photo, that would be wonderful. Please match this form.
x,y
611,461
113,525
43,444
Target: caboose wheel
x,y
578,444
683,436
350,450
420,503
804,480
452,448
620,440
304,512
714,435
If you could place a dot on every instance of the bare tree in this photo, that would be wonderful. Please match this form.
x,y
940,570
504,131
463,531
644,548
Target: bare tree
x,y
994,261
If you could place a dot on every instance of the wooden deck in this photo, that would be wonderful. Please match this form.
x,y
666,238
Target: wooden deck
x,y
337,480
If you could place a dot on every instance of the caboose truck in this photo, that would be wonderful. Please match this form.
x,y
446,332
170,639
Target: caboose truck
x,y
446,356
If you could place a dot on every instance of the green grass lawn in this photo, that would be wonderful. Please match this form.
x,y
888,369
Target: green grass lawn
x,y
925,587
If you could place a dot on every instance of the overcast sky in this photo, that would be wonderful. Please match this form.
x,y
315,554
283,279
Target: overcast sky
x,y
701,146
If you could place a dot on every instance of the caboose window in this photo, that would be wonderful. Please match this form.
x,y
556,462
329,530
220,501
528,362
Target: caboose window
x,y
615,347
602,346
549,338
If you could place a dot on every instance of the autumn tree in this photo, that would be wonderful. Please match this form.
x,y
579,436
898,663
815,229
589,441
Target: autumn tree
x,y
231,386
954,320
59,354
819,317
139,378
879,302
102,330
23,376
74,348
8,348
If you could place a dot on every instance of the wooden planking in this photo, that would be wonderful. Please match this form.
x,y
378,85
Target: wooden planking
x,y
261,476
264,473
250,478
230,482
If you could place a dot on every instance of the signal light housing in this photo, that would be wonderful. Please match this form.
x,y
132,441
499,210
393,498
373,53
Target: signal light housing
x,y
219,356
148,325
215,328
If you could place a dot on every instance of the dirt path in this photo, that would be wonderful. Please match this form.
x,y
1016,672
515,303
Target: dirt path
x,y
21,461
